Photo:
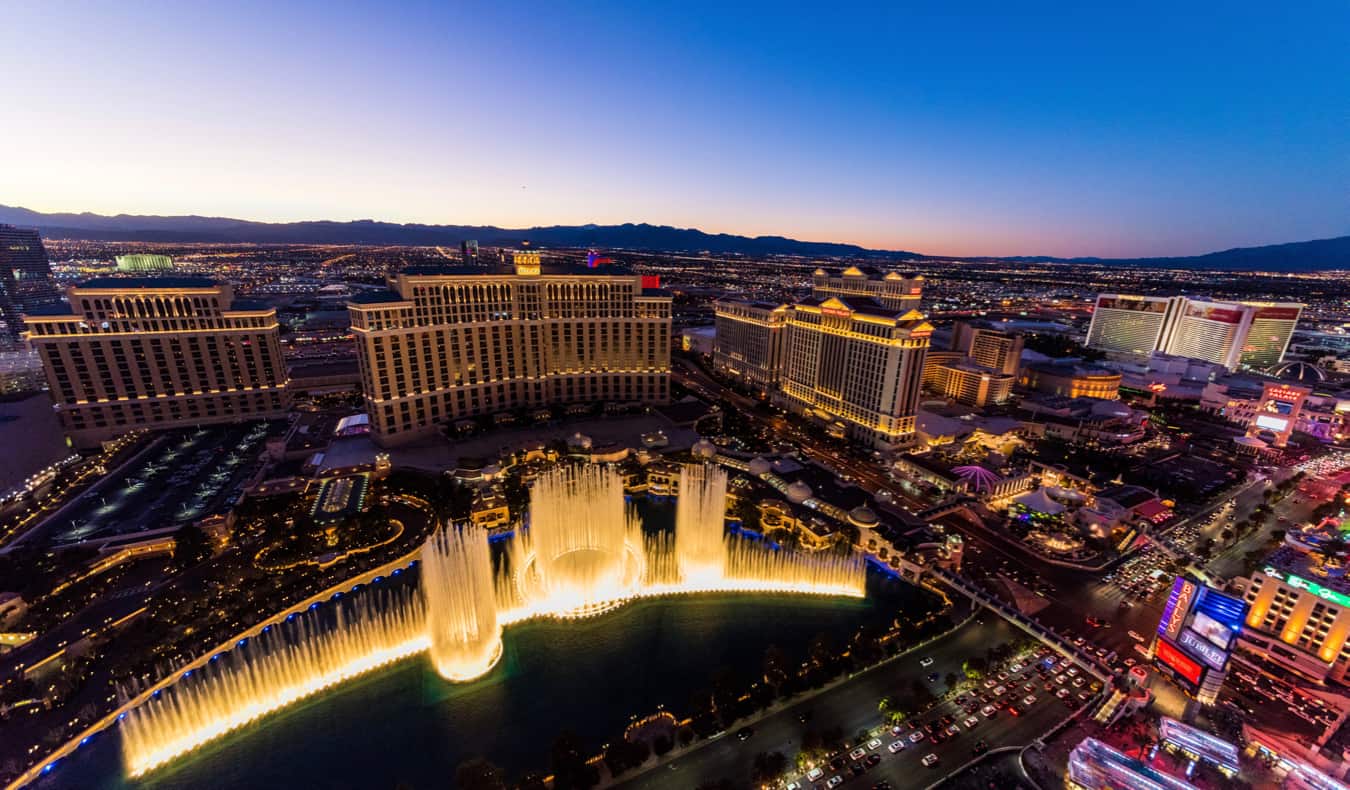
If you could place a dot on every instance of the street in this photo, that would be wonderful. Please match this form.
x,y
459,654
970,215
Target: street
x,y
852,707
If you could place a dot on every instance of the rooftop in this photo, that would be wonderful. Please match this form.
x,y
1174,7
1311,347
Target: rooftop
x,y
375,297
173,283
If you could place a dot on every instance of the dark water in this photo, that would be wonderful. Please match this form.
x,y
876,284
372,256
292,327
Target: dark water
x,y
405,724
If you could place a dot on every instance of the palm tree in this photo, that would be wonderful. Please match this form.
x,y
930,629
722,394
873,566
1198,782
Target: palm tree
x,y
1332,548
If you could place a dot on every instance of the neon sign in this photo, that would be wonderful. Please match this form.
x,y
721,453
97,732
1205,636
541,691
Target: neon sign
x,y
1178,606
1177,661
1298,582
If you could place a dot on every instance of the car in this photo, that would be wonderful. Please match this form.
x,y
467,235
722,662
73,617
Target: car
x,y
1073,672
896,729
896,746
1016,667
872,761
1001,690
1063,693
744,733
980,747
916,736
814,774
926,661
1029,700
989,711
1077,682
1061,679
1129,662
971,722
954,730
990,683
857,754
874,744
835,781
930,760
1136,636
1014,710
1003,676
1029,687
932,677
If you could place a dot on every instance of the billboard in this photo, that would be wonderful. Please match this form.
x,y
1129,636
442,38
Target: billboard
x,y
1276,424
1198,629
1177,661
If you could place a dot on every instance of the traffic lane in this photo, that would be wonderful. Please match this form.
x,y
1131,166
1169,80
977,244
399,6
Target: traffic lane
x,y
850,707
906,768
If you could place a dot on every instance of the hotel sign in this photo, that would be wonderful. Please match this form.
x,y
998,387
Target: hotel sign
x,y
1298,582
1178,606
837,311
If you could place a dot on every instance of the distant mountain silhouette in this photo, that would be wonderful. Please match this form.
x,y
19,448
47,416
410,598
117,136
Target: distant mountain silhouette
x,y
1300,256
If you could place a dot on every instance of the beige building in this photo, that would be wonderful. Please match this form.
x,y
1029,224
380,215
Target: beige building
x,y
973,385
991,348
1299,616
446,343
859,363
896,291
1072,380
751,337
155,352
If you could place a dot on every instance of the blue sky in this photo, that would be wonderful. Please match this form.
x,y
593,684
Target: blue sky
x,y
974,128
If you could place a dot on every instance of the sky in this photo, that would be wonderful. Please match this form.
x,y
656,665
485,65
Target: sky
x,y
974,128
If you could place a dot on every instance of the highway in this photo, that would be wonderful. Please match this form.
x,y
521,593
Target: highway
x,y
852,706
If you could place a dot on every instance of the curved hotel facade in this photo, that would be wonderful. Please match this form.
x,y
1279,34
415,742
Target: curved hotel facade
x,y
444,343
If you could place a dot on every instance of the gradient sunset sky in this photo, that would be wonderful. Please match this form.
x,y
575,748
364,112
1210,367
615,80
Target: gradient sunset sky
x,y
1114,129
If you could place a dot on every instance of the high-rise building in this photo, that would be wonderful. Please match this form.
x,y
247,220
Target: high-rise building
x,y
855,361
444,343
1128,324
890,289
144,264
964,382
468,250
1300,615
750,339
988,346
152,352
1232,334
25,277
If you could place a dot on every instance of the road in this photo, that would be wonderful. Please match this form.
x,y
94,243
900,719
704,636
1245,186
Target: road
x,y
852,706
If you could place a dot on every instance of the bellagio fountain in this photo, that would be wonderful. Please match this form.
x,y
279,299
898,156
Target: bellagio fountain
x,y
583,553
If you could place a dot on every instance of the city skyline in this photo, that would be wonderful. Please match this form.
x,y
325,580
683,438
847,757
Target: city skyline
x,y
1035,134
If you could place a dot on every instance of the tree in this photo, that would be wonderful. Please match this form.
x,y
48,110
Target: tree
x,y
479,774
975,667
662,745
570,771
190,546
951,680
768,766
776,667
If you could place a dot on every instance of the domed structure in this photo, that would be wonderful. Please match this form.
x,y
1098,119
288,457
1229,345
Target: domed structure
x,y
1302,372
862,516
798,492
704,449
884,496
760,466
579,441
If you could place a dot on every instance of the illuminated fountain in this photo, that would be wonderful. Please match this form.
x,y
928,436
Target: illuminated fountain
x,y
584,553
461,603
699,516
282,665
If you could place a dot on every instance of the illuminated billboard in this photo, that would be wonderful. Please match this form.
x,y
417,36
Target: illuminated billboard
x,y
1177,661
1198,629
1276,424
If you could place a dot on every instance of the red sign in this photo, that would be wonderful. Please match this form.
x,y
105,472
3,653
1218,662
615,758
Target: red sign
x,y
651,281
1174,658
836,312
1220,314
1278,313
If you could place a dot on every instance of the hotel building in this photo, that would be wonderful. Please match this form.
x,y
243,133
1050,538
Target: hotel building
x,y
971,384
1232,334
25,277
1300,615
988,346
444,343
1128,324
750,338
890,289
156,352
858,362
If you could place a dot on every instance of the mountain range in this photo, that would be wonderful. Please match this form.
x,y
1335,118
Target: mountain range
x,y
1317,255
